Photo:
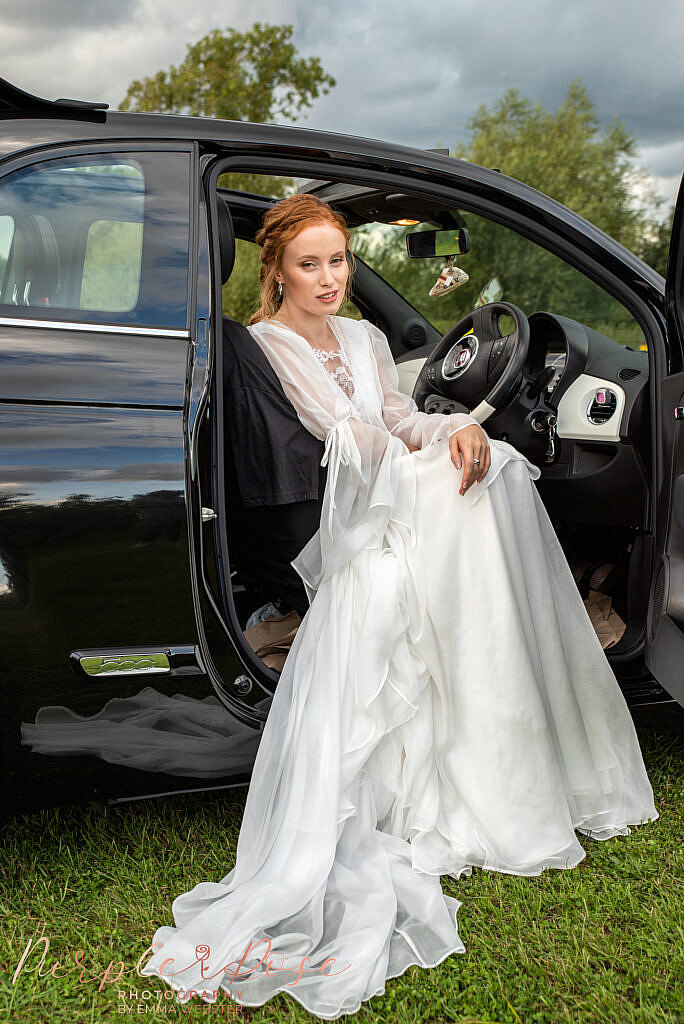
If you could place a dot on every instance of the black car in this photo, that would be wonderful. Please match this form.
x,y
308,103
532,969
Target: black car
x,y
124,266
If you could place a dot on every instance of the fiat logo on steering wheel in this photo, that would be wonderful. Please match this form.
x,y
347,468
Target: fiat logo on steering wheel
x,y
459,357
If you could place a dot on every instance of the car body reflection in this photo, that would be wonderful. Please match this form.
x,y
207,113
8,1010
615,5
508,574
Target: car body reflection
x,y
152,732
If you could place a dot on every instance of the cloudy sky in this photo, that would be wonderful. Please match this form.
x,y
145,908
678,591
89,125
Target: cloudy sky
x,y
405,72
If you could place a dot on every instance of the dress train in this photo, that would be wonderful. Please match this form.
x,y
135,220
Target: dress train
x,y
445,704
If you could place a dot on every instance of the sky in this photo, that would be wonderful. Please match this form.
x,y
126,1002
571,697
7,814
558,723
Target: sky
x,y
408,73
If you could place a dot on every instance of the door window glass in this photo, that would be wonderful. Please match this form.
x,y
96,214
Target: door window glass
x,y
6,233
111,269
102,238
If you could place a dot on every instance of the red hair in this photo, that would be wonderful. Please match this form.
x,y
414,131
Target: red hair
x,y
281,223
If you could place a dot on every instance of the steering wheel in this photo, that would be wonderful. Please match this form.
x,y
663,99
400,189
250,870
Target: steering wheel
x,y
474,364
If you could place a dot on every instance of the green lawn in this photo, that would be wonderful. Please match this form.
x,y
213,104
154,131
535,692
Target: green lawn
x,y
600,944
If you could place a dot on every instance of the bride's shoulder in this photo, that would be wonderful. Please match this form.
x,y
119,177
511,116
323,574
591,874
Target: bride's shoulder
x,y
348,320
352,327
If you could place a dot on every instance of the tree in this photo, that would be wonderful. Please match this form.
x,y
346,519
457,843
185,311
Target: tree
x,y
656,246
566,155
241,76
238,76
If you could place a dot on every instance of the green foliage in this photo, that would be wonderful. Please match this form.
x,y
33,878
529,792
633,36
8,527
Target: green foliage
x,y
238,76
241,291
252,183
565,155
111,270
242,76
656,246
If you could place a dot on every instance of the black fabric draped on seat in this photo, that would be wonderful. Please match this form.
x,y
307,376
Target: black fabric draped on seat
x,y
274,479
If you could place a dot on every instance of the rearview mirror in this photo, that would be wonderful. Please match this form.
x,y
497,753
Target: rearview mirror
x,y
445,242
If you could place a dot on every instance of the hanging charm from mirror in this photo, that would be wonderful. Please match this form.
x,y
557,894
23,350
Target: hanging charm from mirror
x,y
451,277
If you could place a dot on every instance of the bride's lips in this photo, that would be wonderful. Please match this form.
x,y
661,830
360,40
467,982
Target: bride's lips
x,y
327,297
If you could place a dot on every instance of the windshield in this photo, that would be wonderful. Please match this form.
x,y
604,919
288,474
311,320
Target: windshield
x,y
501,264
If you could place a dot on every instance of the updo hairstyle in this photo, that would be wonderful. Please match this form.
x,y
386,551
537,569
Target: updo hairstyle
x,y
281,223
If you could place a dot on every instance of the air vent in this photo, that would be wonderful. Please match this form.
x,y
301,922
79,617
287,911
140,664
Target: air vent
x,y
602,406
414,333
628,373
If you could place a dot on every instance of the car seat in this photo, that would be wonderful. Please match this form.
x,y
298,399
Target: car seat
x,y
273,477
33,268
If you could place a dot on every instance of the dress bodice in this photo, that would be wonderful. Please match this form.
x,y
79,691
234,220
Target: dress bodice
x,y
339,363
341,371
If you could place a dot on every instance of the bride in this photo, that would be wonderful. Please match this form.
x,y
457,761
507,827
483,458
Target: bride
x,y
445,704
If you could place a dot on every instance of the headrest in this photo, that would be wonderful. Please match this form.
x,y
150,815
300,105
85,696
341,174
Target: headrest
x,y
40,257
226,238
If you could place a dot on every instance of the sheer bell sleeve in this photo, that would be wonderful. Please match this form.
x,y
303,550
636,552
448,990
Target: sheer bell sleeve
x,y
400,412
370,481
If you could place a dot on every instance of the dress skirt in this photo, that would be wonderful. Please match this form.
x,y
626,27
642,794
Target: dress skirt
x,y
446,704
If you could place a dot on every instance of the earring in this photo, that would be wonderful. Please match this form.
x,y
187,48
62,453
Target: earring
x,y
280,289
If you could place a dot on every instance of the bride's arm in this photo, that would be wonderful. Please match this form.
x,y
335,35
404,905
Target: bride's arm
x,y
326,412
400,412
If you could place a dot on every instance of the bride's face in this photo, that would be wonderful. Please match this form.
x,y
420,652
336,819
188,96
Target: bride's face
x,y
314,271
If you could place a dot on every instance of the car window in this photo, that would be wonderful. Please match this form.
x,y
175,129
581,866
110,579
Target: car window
x,y
112,265
97,239
501,264
6,234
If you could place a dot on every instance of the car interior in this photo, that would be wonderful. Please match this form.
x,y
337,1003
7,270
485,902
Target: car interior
x,y
479,319
556,366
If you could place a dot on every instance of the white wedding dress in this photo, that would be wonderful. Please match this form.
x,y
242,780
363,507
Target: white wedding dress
x,y
445,704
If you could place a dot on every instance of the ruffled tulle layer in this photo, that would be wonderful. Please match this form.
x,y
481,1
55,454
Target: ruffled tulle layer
x,y
446,704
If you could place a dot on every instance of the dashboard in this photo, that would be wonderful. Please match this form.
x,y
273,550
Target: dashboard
x,y
599,391
595,381
556,361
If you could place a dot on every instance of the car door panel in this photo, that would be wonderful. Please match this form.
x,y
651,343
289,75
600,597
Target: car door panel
x,y
97,618
55,365
665,640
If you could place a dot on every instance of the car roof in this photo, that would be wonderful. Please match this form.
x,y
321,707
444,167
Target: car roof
x,y
16,100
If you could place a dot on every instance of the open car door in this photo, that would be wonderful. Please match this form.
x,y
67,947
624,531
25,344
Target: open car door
x,y
664,654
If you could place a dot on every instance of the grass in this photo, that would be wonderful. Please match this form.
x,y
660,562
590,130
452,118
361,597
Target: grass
x,y
600,944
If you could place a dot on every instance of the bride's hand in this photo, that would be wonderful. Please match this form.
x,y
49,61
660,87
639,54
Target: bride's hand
x,y
468,444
